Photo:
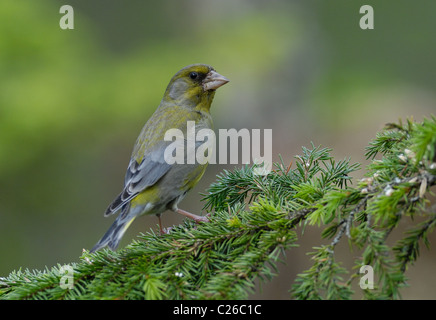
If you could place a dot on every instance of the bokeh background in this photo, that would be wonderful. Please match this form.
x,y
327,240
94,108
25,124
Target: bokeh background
x,y
72,103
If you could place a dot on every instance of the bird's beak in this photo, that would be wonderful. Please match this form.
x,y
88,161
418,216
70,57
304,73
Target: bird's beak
x,y
213,81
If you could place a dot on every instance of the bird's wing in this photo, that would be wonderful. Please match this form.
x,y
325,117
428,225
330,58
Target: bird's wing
x,y
140,176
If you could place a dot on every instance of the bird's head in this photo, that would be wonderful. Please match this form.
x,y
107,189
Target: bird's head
x,y
194,85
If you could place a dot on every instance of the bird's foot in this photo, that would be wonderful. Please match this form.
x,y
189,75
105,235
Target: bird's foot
x,y
165,230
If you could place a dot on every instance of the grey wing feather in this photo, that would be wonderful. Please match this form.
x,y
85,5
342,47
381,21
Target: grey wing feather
x,y
138,178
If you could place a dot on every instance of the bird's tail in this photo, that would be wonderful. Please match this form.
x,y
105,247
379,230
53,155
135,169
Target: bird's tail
x,y
116,231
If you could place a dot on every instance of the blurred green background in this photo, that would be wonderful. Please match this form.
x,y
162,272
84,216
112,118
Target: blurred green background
x,y
72,103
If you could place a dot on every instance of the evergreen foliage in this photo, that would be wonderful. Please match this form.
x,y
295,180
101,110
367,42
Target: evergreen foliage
x,y
253,223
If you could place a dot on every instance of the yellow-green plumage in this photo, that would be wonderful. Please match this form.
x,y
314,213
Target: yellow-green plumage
x,y
152,185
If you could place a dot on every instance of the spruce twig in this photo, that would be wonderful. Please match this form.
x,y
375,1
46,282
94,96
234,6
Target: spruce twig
x,y
253,223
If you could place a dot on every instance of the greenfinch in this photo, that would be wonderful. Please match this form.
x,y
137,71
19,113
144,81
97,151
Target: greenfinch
x,y
152,185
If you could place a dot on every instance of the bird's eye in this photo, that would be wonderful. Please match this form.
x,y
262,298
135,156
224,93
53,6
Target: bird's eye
x,y
193,75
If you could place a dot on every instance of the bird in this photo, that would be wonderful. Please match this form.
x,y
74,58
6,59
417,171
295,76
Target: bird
x,y
152,184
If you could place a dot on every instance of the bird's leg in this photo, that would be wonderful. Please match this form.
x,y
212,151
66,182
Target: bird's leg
x,y
192,216
162,230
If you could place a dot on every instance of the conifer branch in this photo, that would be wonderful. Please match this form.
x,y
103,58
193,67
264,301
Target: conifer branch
x,y
253,224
